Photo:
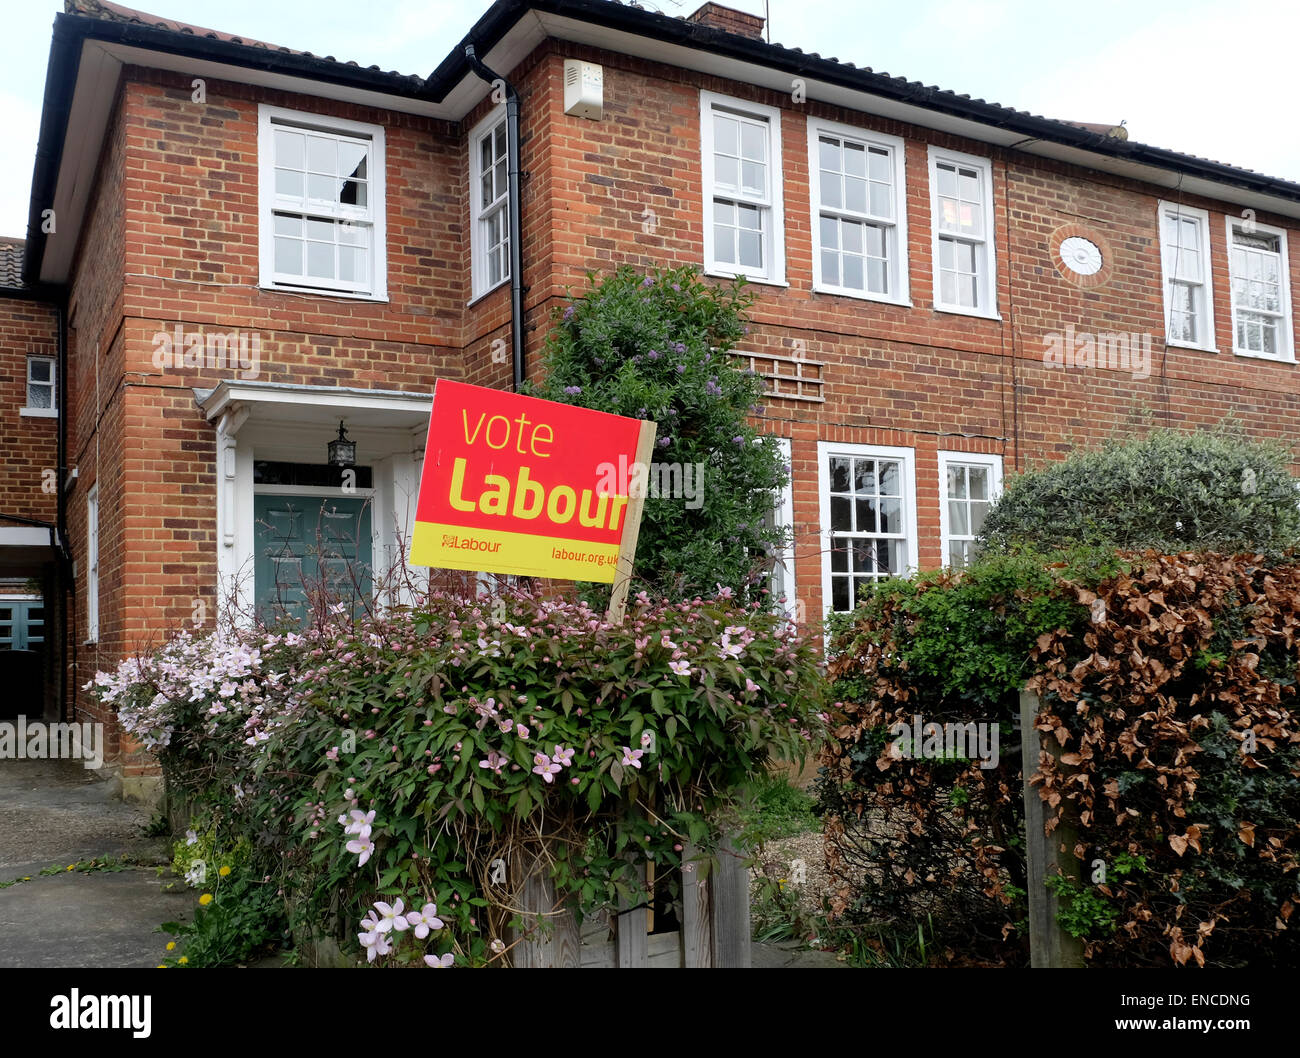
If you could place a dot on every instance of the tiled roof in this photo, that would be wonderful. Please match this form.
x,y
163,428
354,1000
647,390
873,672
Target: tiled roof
x,y
107,12
11,263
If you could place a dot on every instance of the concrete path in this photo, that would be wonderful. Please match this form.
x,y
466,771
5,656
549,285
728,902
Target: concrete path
x,y
56,813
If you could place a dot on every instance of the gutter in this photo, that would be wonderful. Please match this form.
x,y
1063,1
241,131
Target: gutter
x,y
513,197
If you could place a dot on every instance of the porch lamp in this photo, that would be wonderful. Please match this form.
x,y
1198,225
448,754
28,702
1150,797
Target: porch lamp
x,y
342,452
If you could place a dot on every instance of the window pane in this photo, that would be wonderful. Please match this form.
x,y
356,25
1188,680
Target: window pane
x,y
877,277
978,511
855,194
750,217
853,274
841,515
881,200
289,149
956,483
840,557
288,257
320,260
753,142
726,135
755,176
353,264
288,183
352,160
322,188
840,594
866,516
321,155
852,237
829,154
880,167
958,522
40,396
751,249
726,171
287,225
947,180
831,191
855,159
891,516
891,482
864,476
839,474
39,370
831,268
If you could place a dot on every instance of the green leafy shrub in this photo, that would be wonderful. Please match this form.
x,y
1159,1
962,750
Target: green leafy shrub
x,y
656,347
938,842
1170,491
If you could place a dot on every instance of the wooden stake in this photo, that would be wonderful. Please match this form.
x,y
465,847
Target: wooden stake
x,y
631,529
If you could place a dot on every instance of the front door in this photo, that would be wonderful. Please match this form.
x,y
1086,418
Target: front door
x,y
311,550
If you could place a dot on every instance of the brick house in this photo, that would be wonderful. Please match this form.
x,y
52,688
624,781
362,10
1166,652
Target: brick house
x,y
234,246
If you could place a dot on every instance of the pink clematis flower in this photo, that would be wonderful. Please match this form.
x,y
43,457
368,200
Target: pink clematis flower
x,y
440,963
424,920
682,668
562,756
362,847
391,917
545,767
360,825
521,730
632,757
374,941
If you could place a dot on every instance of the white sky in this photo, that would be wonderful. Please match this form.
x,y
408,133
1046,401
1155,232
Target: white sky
x,y
1198,76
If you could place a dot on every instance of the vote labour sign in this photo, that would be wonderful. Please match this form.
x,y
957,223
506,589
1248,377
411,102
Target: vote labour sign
x,y
514,484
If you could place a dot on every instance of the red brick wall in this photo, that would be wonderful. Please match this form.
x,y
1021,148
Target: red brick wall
x,y
896,375
26,328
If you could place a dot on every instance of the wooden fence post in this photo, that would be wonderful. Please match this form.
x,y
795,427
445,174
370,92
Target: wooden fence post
x,y
550,941
631,937
729,889
1045,855
697,921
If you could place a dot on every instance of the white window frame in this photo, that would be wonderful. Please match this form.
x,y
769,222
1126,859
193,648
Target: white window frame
x,y
771,204
1286,333
1202,220
907,458
52,412
783,518
983,459
374,214
986,256
92,564
895,227
479,281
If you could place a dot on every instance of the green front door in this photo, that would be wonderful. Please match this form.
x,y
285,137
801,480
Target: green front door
x,y
311,550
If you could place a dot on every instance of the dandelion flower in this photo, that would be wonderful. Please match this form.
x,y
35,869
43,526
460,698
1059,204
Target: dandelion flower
x,y
171,945
224,871
205,899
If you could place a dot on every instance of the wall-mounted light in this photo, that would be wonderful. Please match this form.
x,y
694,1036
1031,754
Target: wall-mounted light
x,y
342,452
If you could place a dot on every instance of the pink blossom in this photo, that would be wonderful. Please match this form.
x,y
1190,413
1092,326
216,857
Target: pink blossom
x,y
362,846
562,756
682,668
391,917
424,920
440,963
545,767
494,761
521,730
632,757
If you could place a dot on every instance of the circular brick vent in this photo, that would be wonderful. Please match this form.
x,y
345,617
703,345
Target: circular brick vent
x,y
1081,255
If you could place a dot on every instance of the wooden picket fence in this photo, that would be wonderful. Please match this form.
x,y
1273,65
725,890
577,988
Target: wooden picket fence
x,y
714,918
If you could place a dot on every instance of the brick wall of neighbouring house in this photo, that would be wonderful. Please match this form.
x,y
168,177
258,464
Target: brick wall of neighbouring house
x,y
904,376
30,443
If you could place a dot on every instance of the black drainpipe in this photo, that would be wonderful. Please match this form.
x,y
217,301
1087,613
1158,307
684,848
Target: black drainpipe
x,y
512,191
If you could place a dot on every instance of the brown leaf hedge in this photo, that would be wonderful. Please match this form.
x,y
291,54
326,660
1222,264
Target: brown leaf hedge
x,y
1168,686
